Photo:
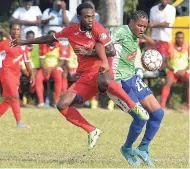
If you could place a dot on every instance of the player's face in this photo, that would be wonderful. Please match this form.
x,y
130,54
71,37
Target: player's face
x,y
139,26
86,18
30,36
27,5
165,2
15,31
179,39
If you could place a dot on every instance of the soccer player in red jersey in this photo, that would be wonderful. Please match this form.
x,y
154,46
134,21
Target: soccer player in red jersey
x,y
94,75
10,74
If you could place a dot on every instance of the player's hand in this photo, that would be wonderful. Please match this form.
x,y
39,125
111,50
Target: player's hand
x,y
104,67
150,25
80,50
15,42
63,5
45,72
52,18
180,73
32,81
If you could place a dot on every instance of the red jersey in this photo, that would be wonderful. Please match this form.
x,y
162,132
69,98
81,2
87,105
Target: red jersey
x,y
13,57
87,39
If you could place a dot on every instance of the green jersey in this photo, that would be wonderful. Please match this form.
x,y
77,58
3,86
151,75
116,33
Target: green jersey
x,y
126,45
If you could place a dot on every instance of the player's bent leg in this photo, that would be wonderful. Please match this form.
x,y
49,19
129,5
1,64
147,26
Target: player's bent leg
x,y
105,83
73,116
152,126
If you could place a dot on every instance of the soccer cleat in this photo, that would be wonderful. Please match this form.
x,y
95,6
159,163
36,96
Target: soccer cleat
x,y
110,105
144,156
140,112
21,125
40,105
92,138
130,156
94,104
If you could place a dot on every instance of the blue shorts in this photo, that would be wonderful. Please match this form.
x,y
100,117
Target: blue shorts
x,y
136,88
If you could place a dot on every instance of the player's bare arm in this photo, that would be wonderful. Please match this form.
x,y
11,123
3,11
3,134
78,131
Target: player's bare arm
x,y
41,40
31,73
109,50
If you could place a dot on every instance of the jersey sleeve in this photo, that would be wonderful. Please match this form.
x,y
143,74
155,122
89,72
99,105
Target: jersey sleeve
x,y
25,55
16,13
62,34
101,34
64,52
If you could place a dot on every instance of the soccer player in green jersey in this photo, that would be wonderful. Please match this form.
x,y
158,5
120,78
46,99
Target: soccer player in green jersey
x,y
125,39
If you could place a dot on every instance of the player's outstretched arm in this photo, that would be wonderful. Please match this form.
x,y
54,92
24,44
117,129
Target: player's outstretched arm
x,y
41,40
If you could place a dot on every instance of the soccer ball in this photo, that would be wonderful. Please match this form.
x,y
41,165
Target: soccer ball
x,y
151,60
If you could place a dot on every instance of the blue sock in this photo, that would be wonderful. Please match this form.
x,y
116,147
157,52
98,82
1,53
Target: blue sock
x,y
134,130
152,126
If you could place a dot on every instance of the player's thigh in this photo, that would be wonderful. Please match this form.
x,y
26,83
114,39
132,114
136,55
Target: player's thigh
x,y
83,91
140,88
10,85
57,74
171,78
150,103
39,76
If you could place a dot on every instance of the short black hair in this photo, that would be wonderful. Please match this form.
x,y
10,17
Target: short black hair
x,y
83,6
30,32
177,33
11,25
139,14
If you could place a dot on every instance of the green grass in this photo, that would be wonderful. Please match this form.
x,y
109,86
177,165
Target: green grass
x,y
52,142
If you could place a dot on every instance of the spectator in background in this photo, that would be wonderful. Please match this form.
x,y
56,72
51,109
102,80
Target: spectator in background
x,y
29,17
57,16
177,63
52,58
27,90
162,16
97,16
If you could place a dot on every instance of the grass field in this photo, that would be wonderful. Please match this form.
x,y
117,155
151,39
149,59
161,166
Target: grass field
x,y
52,142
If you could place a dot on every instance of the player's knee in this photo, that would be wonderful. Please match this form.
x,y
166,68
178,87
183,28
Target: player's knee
x,y
103,85
62,104
157,115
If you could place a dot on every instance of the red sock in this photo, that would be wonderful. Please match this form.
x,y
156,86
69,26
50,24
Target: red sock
x,y
164,95
73,116
4,106
115,89
15,105
64,85
188,98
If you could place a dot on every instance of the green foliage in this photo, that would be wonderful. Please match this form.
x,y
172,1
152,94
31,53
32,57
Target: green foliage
x,y
130,5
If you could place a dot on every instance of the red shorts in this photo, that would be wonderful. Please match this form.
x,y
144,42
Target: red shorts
x,y
86,86
172,76
10,83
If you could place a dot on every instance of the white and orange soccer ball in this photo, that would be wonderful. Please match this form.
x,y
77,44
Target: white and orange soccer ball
x,y
151,60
